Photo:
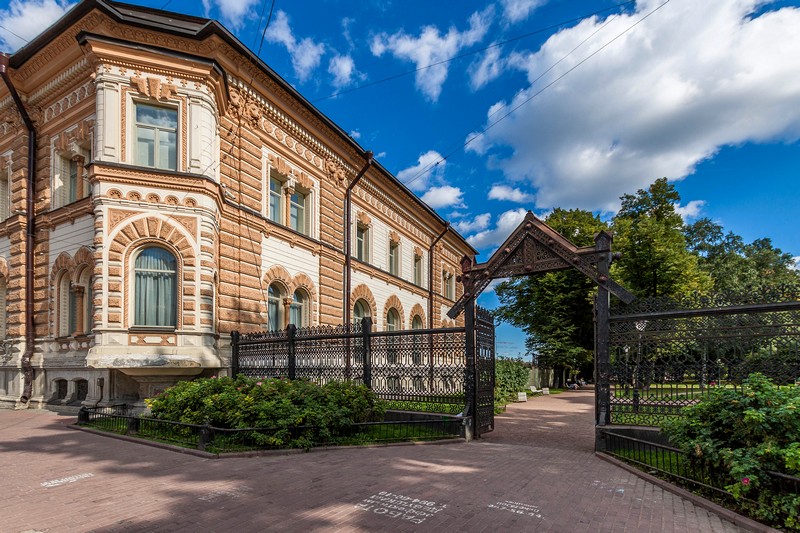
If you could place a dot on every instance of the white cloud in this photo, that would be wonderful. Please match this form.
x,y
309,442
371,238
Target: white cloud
x,y
355,134
444,196
690,210
507,223
480,222
517,10
796,262
232,13
488,68
343,68
306,54
431,47
504,192
690,79
27,19
425,169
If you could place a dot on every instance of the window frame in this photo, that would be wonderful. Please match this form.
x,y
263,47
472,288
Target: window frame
x,y
176,288
394,258
364,306
275,214
302,210
136,125
276,321
418,270
302,306
362,242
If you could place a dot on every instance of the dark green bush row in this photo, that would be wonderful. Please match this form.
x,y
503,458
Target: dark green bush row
x,y
743,434
270,403
510,377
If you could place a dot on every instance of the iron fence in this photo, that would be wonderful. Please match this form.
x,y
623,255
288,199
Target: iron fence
x,y
226,440
666,354
407,368
655,455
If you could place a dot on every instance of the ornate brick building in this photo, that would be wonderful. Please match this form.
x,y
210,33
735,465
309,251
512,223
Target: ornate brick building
x,y
161,187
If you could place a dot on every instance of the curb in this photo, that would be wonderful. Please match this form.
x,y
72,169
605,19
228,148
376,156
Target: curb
x,y
256,453
699,501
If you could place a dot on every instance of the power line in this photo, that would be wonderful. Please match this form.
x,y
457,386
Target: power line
x,y
534,95
263,33
472,52
14,34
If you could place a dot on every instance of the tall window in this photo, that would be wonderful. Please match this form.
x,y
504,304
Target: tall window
x,y
298,312
394,258
418,270
360,310
64,306
156,136
362,242
449,283
297,212
155,291
5,188
392,343
3,314
275,307
275,211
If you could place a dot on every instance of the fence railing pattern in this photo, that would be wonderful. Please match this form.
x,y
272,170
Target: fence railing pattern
x,y
401,366
667,354
674,464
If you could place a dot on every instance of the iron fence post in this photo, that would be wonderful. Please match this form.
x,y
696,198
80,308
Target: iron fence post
x,y
206,437
235,353
470,376
291,331
366,346
602,360
83,415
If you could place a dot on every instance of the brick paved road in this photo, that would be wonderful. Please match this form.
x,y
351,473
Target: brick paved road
x,y
536,472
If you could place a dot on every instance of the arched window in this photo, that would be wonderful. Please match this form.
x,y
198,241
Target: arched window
x,y
3,313
392,320
275,307
416,346
392,343
155,291
81,303
298,312
360,310
64,306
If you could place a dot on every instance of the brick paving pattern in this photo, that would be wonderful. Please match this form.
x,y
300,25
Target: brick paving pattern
x,y
535,472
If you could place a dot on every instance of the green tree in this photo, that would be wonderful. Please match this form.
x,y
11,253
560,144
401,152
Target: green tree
x,y
555,309
649,234
734,265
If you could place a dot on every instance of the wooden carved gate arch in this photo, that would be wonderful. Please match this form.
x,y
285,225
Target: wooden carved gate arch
x,y
533,248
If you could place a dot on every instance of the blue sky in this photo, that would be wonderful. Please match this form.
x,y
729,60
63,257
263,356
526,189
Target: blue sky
x,y
579,108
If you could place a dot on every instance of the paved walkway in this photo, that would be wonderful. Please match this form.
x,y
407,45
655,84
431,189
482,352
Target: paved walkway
x,y
536,472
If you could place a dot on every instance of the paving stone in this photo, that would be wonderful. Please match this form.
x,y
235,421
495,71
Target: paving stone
x,y
535,472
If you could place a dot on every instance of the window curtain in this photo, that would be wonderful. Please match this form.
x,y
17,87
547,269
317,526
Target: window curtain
x,y
155,288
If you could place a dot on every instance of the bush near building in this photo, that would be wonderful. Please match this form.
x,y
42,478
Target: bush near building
x,y
510,377
742,435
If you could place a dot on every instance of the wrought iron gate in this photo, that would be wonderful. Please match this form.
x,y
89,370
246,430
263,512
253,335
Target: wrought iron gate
x,y
484,371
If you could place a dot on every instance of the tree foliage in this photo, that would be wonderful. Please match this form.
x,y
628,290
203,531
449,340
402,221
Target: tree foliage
x,y
649,234
736,266
555,309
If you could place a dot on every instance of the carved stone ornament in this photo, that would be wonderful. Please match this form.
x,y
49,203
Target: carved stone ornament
x,y
154,87
364,219
417,251
394,237
335,171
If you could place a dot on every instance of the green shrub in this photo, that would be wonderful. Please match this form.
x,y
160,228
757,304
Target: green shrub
x,y
270,403
740,436
510,377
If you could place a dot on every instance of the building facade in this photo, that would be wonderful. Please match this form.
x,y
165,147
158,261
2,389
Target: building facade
x,y
161,187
